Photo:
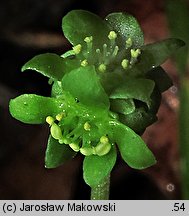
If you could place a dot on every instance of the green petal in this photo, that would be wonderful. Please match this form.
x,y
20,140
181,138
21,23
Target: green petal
x,y
157,53
57,89
57,154
79,24
34,109
68,53
161,78
138,120
127,27
132,148
83,83
50,65
139,89
96,168
122,106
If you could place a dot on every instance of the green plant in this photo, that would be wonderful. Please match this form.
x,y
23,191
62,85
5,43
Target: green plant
x,y
105,92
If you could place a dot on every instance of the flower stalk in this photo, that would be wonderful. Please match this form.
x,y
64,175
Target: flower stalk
x,y
102,190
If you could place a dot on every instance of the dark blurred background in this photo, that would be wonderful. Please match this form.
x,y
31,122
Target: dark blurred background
x,y
32,27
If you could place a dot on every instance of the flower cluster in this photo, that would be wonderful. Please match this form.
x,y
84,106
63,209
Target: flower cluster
x,y
105,91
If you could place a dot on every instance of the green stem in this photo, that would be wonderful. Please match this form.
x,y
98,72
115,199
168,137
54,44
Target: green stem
x,y
184,139
101,191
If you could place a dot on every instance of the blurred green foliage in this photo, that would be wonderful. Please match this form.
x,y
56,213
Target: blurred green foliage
x,y
178,19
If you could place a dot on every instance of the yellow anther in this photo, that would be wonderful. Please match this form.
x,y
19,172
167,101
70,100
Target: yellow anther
x,y
74,146
64,140
84,63
102,67
103,147
112,35
77,49
135,53
56,131
60,116
87,126
86,151
97,51
129,43
88,39
104,140
61,141
50,120
125,63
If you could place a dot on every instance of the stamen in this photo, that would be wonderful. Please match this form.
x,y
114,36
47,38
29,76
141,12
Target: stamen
x,y
125,63
104,140
50,82
64,140
50,120
88,39
98,52
74,146
112,35
84,63
104,51
102,68
60,116
135,53
103,147
129,43
56,131
77,49
116,49
87,151
87,126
